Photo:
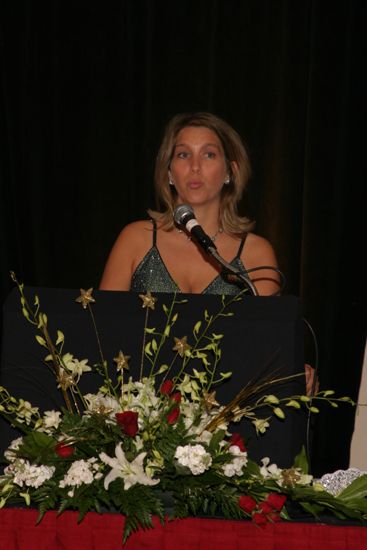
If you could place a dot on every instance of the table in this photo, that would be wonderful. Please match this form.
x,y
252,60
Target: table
x,y
104,531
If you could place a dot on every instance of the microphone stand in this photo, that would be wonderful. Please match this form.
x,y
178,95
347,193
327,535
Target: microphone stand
x,y
233,270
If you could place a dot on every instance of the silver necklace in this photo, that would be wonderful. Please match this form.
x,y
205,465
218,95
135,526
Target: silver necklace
x,y
213,238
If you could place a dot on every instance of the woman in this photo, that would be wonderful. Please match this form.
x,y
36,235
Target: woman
x,y
203,163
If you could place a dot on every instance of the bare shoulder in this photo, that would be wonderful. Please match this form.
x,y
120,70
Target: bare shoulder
x,y
258,250
137,232
258,255
131,245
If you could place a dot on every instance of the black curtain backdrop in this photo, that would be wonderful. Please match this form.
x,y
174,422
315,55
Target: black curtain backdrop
x,y
86,89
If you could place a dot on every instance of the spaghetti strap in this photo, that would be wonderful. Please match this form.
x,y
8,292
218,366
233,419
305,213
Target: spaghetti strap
x,y
154,231
242,243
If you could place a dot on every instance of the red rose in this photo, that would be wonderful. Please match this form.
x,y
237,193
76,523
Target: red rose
x,y
276,501
176,397
64,450
128,421
265,507
259,519
173,415
248,504
167,387
236,439
274,516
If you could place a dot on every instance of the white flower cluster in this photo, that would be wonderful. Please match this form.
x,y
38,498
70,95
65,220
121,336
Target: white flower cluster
x,y
193,457
235,467
25,411
140,397
76,367
196,418
50,421
81,472
99,403
30,475
271,471
9,454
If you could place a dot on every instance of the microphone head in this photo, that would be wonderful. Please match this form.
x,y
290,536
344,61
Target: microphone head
x,y
183,213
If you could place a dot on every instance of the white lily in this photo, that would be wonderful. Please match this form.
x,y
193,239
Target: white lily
x,y
131,472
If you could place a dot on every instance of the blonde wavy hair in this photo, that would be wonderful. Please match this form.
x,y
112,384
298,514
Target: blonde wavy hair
x,y
234,151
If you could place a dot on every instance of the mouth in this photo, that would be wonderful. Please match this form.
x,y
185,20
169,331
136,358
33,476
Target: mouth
x,y
195,184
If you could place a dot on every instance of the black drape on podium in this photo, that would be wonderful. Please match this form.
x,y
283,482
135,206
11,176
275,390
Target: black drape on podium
x,y
263,335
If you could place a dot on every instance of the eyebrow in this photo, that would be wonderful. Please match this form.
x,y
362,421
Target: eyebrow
x,y
209,144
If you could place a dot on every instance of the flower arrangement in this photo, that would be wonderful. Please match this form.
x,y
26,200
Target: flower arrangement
x,y
159,445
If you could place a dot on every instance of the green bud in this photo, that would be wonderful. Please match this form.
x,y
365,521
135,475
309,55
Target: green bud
x,y
278,412
26,497
41,340
293,403
60,337
197,327
271,399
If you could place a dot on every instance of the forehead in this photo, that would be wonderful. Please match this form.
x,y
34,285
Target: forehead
x,y
197,135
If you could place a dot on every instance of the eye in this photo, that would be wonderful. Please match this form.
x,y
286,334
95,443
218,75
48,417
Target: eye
x,y
210,154
182,155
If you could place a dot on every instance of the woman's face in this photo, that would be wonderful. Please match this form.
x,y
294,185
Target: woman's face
x,y
198,167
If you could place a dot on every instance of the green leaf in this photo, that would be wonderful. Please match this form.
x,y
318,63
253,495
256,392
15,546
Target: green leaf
x,y
301,461
216,439
37,446
357,489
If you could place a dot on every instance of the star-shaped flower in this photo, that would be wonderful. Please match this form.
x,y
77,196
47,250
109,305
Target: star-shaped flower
x,y
65,380
181,346
209,400
290,477
85,297
122,361
148,300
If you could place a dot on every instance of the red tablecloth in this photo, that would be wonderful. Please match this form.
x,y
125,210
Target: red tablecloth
x,y
18,531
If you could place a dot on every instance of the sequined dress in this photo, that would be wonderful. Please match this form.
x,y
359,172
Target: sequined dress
x,y
152,274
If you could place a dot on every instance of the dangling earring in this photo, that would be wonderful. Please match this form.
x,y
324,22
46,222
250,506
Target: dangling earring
x,y
227,181
170,180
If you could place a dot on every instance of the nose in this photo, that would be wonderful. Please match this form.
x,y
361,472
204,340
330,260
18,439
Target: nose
x,y
195,163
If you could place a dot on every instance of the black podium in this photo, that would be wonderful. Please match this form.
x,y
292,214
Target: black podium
x,y
264,335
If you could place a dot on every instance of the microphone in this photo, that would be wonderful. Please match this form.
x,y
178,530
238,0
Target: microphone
x,y
184,215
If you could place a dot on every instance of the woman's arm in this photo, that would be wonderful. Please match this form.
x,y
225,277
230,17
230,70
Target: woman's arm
x,y
129,248
258,252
